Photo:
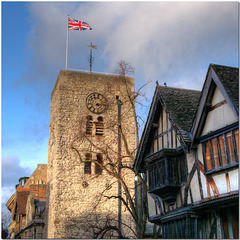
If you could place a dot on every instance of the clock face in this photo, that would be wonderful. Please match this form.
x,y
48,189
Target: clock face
x,y
96,103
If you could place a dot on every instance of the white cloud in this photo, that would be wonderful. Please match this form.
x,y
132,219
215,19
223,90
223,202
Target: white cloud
x,y
6,193
164,40
171,42
171,39
12,171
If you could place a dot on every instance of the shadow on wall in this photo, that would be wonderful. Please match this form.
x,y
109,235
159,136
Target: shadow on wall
x,y
95,226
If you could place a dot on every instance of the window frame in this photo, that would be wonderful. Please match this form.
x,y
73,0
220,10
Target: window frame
x,y
228,156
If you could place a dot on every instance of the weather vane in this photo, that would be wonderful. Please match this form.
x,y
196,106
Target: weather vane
x,y
91,57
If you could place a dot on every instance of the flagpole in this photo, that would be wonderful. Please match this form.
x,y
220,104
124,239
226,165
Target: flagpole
x,y
67,44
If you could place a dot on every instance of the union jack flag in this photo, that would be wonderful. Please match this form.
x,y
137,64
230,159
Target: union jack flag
x,y
77,25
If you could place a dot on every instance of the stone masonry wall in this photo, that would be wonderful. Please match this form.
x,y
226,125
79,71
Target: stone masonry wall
x,y
76,201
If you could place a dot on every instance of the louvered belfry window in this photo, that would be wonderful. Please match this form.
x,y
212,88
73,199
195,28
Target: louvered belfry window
x,y
99,126
89,125
87,165
98,168
221,151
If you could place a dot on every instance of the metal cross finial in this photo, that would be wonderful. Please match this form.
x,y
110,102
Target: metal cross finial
x,y
91,57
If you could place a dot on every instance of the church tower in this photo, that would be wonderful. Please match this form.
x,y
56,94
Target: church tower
x,y
86,110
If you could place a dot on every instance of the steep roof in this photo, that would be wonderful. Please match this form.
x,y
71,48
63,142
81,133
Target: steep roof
x,y
181,105
229,77
227,80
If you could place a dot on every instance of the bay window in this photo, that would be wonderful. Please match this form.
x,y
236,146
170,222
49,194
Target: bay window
x,y
166,173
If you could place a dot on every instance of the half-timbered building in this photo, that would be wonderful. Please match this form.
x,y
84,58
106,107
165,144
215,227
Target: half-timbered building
x,y
189,155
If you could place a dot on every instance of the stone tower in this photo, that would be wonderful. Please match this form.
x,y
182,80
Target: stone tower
x,y
84,117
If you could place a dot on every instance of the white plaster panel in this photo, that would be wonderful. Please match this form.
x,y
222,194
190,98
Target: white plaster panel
x,y
165,140
155,146
164,121
195,188
183,193
211,191
159,124
189,199
190,161
174,137
160,143
151,206
178,143
199,153
178,200
221,183
219,117
233,179
170,139
204,185
217,96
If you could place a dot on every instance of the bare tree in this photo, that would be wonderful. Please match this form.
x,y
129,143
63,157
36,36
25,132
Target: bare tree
x,y
117,165
99,226
6,219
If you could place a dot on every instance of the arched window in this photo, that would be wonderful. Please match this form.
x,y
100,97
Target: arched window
x,y
87,165
99,126
98,168
89,125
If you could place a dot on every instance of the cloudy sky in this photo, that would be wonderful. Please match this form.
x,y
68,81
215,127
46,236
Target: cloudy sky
x,y
172,42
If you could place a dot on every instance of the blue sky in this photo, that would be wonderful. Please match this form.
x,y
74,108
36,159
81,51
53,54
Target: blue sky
x,y
171,42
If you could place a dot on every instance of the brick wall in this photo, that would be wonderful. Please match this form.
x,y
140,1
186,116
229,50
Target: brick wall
x,y
22,195
38,191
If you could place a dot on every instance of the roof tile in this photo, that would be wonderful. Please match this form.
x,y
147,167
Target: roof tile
x,y
229,76
182,105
